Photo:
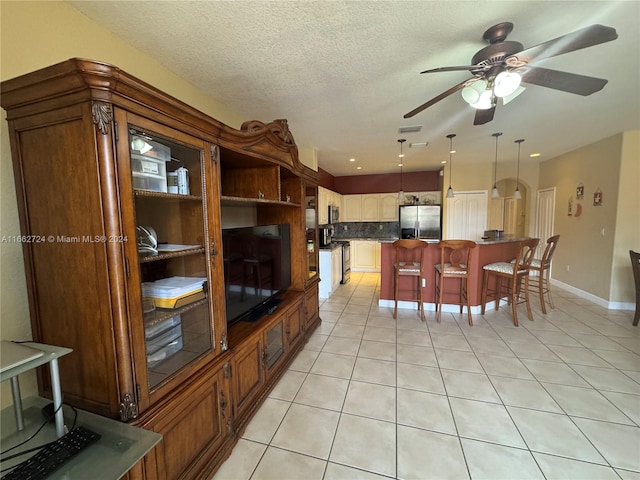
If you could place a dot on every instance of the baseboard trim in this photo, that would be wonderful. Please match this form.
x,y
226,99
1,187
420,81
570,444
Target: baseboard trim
x,y
593,298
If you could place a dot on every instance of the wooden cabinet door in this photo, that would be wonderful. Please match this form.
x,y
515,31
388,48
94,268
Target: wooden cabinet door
x,y
311,305
247,375
370,208
170,340
389,207
294,324
323,206
193,427
352,208
364,255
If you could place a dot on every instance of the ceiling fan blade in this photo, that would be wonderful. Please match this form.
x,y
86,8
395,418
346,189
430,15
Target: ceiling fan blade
x,y
484,116
442,96
583,38
455,69
564,81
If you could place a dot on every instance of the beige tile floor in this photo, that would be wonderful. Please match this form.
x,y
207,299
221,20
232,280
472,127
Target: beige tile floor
x,y
371,397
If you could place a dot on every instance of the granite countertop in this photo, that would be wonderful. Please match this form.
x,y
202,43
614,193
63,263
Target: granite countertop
x,y
505,239
370,239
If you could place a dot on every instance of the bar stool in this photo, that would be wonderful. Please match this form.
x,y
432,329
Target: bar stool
x,y
458,266
543,267
635,266
409,263
514,272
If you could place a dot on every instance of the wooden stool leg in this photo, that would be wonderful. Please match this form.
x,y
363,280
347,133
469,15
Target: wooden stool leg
x,y
485,282
526,297
466,296
514,300
498,292
541,291
439,305
395,295
548,280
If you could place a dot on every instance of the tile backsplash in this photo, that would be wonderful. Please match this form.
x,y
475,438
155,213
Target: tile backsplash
x,y
366,230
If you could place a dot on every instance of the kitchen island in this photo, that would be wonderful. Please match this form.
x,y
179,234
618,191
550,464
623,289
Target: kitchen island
x,y
486,251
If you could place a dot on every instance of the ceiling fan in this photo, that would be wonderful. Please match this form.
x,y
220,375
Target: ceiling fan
x,y
499,68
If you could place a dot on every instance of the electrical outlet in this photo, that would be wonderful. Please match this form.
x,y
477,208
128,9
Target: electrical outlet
x,y
380,227
345,228
568,268
424,282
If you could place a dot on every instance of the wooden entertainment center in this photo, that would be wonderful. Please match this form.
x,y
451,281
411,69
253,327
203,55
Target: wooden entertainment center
x,y
94,151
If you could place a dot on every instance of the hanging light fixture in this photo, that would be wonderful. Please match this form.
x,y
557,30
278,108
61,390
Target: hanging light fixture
x,y
482,94
450,193
517,193
401,164
494,192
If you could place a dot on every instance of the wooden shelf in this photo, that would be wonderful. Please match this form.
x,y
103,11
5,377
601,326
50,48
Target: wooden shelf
x,y
241,201
169,196
153,257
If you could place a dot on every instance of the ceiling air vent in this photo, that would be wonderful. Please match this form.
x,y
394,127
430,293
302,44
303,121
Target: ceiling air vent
x,y
410,129
418,144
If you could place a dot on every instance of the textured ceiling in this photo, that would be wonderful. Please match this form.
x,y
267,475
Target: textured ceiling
x,y
343,73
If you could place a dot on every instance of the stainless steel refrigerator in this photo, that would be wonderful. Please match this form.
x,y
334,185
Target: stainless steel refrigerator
x,y
421,221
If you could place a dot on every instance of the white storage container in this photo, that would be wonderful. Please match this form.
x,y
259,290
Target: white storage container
x,y
148,164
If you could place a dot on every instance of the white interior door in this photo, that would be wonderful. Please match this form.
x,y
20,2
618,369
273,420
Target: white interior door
x,y
510,216
496,214
467,215
545,208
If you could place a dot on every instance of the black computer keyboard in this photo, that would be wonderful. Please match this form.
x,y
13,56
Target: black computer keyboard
x,y
53,455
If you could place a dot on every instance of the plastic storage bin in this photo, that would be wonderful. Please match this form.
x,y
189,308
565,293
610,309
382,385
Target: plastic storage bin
x,y
148,164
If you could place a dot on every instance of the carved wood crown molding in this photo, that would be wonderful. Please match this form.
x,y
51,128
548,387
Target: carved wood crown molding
x,y
279,128
102,116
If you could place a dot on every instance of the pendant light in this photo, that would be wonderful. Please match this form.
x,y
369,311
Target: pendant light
x,y
494,192
401,164
450,193
517,193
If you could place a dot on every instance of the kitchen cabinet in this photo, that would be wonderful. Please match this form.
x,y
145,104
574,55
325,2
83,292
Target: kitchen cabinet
x,y
327,198
370,207
388,207
330,271
352,211
365,255
119,227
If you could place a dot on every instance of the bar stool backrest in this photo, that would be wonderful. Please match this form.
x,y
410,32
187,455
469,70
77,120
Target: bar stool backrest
x,y
552,243
526,253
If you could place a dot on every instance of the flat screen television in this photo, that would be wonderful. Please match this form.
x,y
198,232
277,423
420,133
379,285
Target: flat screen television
x,y
257,266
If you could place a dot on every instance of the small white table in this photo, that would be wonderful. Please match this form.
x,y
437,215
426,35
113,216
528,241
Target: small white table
x,y
51,355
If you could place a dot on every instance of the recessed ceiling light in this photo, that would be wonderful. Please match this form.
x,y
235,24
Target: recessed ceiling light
x,y
534,155
358,168
410,129
352,159
452,151
401,164
443,161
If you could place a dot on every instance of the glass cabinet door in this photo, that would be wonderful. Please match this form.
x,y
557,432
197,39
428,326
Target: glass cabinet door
x,y
311,229
170,212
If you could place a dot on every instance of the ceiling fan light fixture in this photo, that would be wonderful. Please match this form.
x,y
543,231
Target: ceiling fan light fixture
x,y
472,92
485,102
506,83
